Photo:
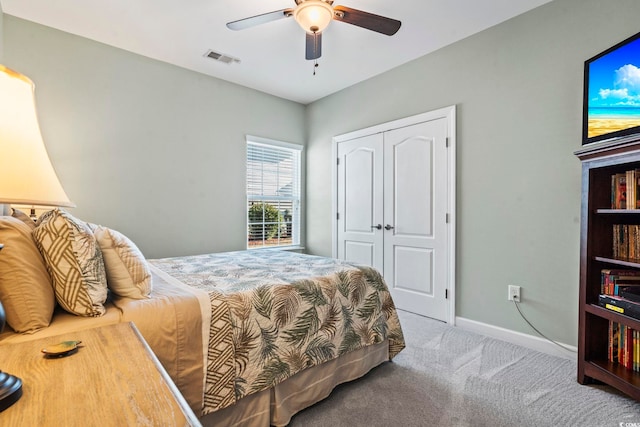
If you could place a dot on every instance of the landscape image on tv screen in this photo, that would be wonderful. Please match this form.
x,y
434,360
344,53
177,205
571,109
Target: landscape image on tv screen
x,y
613,98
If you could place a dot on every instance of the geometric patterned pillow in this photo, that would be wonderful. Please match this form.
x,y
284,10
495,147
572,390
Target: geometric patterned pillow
x,y
128,274
74,261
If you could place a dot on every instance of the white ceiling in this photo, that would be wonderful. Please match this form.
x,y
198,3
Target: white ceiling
x,y
272,54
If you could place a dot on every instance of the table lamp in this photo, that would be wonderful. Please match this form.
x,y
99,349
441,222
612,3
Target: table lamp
x,y
27,176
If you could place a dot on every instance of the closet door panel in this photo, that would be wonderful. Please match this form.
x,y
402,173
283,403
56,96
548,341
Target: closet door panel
x,y
415,207
360,201
411,262
413,187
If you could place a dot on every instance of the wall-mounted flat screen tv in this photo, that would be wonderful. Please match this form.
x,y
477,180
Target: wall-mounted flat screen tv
x,y
611,106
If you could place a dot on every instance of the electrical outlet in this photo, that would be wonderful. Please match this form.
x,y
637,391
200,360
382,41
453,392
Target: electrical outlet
x,y
514,293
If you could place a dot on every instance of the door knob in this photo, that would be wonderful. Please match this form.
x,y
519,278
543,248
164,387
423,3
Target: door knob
x,y
388,227
379,226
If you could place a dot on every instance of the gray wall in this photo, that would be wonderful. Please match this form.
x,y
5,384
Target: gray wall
x,y
149,149
518,88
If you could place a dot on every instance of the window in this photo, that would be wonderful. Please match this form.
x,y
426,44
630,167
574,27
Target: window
x,y
273,193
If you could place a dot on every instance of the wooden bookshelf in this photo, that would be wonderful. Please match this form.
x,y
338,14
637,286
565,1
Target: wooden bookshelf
x,y
599,162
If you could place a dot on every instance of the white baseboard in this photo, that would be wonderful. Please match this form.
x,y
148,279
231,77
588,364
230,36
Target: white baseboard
x,y
514,337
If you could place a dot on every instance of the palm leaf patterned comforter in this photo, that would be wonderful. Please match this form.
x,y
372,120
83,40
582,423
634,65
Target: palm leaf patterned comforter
x,y
276,313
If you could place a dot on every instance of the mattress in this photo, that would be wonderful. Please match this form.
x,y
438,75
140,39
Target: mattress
x,y
275,314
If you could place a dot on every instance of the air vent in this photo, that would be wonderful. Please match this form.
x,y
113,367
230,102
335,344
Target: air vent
x,y
221,57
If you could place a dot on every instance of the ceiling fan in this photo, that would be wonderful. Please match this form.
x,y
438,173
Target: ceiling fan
x,y
314,16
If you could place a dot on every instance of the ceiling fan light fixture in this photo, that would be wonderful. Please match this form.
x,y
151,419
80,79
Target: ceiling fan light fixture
x,y
313,15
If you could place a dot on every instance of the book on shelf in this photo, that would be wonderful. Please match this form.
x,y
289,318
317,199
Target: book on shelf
x,y
625,284
636,350
621,335
620,305
627,350
613,341
619,191
630,292
636,190
624,346
625,193
626,241
630,198
612,279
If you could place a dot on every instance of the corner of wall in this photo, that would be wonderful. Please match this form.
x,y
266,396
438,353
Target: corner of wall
x,y
532,342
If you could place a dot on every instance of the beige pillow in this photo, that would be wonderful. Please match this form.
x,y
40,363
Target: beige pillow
x,y
26,291
74,261
24,218
128,274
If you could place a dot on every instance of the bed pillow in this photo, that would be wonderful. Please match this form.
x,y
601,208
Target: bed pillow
x,y
24,218
128,274
26,291
74,261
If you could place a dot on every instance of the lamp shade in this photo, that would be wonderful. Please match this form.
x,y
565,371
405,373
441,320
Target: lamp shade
x,y
313,15
26,174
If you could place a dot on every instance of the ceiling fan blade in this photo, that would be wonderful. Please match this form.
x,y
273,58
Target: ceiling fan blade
x,y
313,46
242,24
377,23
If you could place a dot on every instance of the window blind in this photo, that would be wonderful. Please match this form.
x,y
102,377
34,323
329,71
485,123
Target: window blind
x,y
273,194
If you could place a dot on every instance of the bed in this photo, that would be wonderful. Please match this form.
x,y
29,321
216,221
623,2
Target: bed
x,y
248,337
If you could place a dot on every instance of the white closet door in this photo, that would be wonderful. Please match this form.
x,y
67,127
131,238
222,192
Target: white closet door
x,y
415,208
360,204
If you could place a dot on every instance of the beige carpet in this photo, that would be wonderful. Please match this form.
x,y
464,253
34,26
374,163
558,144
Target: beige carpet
x,y
451,377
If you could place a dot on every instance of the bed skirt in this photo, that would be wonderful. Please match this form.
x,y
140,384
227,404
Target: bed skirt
x,y
276,406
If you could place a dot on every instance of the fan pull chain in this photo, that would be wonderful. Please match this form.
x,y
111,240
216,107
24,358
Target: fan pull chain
x,y
315,65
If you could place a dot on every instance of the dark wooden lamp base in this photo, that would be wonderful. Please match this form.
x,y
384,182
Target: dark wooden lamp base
x,y
10,390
